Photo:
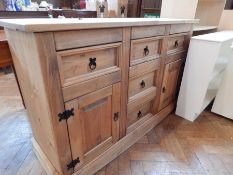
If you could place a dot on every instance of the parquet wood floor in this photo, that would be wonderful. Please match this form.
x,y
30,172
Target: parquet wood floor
x,y
175,147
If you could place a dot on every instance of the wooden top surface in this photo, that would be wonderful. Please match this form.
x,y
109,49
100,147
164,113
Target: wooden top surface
x,y
56,24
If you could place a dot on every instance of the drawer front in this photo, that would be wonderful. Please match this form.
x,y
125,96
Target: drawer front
x,y
144,50
175,56
176,43
140,69
147,31
141,98
83,38
80,65
180,28
138,113
80,89
140,84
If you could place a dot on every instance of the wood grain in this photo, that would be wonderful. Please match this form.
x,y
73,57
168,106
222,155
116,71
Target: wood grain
x,y
147,31
138,55
180,28
45,93
74,64
124,64
143,68
94,84
135,85
83,38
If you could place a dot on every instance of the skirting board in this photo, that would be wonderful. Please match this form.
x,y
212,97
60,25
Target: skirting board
x,y
113,152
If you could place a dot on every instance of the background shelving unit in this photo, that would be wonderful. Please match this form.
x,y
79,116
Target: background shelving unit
x,y
208,11
207,59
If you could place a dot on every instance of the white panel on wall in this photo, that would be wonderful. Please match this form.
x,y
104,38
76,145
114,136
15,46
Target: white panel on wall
x,y
178,9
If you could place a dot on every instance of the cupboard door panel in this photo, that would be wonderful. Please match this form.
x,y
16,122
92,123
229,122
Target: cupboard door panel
x,y
96,123
169,84
94,126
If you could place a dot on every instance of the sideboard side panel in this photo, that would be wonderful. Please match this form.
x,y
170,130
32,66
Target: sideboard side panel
x,y
34,58
48,61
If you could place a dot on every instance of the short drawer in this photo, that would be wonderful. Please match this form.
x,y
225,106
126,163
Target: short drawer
x,y
180,28
176,56
147,31
176,43
138,113
145,49
141,98
83,38
79,65
141,83
140,69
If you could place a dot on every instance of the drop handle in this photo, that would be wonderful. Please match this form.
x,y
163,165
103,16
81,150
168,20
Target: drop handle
x,y
92,63
146,51
116,116
176,44
139,114
142,84
163,90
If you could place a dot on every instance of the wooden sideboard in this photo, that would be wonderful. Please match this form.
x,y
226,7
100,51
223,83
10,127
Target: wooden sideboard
x,y
5,57
93,87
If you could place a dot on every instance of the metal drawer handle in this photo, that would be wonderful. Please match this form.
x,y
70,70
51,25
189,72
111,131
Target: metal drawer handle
x,y
139,114
163,90
116,116
92,63
142,84
176,44
146,51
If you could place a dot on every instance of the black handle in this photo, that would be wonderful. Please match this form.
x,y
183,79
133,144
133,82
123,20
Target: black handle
x,y
142,84
146,51
116,116
164,89
176,44
92,63
122,9
139,114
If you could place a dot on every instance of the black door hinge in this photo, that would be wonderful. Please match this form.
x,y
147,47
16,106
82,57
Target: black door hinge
x,y
73,163
66,114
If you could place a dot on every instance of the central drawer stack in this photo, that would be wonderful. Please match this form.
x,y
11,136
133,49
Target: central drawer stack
x,y
145,58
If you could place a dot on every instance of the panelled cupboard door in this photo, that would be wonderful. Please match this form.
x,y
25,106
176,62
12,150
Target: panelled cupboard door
x,y
170,82
95,124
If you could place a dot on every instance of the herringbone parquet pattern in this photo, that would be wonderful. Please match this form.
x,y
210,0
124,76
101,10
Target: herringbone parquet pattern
x,y
178,147
175,147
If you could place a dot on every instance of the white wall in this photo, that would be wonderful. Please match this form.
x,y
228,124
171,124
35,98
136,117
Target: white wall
x,y
226,20
178,9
